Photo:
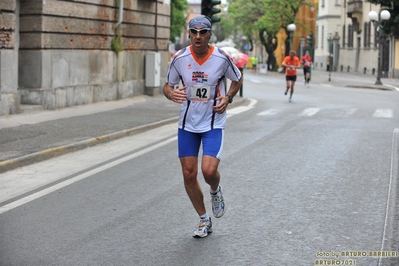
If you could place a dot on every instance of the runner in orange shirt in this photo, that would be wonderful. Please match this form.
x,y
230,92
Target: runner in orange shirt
x,y
306,60
291,63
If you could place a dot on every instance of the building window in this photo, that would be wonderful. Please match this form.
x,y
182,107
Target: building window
x,y
350,36
343,36
366,31
322,37
322,3
317,36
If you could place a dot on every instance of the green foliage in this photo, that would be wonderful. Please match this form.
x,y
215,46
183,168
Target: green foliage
x,y
116,43
261,20
268,15
177,18
245,14
391,26
223,29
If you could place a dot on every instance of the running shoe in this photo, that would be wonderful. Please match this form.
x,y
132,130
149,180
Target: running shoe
x,y
285,93
290,99
218,207
204,228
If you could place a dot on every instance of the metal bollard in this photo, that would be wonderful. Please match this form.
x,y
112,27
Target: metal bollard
x,y
242,84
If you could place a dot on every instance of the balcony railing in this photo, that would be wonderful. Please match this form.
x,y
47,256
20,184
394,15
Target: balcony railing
x,y
355,6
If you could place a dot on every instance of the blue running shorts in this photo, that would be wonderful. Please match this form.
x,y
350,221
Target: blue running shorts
x,y
189,143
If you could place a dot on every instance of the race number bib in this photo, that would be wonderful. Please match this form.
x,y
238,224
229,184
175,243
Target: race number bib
x,y
200,93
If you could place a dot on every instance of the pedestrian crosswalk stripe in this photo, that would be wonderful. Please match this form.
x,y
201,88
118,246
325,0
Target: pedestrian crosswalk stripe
x,y
386,113
310,111
346,112
256,80
269,112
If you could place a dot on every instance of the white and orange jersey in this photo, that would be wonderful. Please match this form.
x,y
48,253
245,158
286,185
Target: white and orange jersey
x,y
204,81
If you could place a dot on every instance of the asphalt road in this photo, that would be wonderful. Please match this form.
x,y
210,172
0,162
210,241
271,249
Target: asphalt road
x,y
308,182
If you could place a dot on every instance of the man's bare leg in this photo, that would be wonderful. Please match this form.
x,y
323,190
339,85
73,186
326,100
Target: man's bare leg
x,y
191,184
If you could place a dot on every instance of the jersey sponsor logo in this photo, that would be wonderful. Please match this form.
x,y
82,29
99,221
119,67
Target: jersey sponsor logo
x,y
199,77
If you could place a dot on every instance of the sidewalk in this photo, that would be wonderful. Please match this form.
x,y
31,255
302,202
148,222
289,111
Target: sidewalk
x,y
354,80
38,135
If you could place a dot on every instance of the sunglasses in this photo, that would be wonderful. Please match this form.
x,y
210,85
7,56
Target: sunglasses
x,y
201,31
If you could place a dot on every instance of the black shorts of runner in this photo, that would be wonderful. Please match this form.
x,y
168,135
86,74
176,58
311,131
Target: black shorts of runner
x,y
306,70
292,78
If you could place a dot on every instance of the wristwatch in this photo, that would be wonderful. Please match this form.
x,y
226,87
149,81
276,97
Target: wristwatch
x,y
230,98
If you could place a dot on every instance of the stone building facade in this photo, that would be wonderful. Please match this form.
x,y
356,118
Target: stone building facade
x,y
61,53
345,34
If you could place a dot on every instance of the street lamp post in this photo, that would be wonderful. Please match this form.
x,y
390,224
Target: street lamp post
x,y
378,20
291,28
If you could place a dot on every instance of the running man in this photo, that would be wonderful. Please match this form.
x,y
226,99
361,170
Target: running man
x,y
306,61
203,100
291,63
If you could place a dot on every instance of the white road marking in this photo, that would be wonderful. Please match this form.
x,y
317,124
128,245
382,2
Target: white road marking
x,y
241,109
384,113
237,110
310,111
255,80
346,112
393,87
269,112
392,185
75,179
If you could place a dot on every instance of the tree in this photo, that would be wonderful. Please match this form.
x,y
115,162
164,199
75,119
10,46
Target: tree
x,y
263,19
223,29
391,26
245,15
178,18
284,12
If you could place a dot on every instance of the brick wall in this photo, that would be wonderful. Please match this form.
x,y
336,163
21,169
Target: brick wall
x,y
7,24
89,24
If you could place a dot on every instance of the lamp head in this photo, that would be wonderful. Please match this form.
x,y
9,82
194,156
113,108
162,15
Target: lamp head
x,y
291,27
385,15
373,16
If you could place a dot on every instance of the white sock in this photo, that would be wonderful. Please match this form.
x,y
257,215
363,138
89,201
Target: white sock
x,y
214,191
204,217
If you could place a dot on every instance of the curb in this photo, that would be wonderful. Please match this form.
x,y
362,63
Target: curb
x,y
370,87
57,151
